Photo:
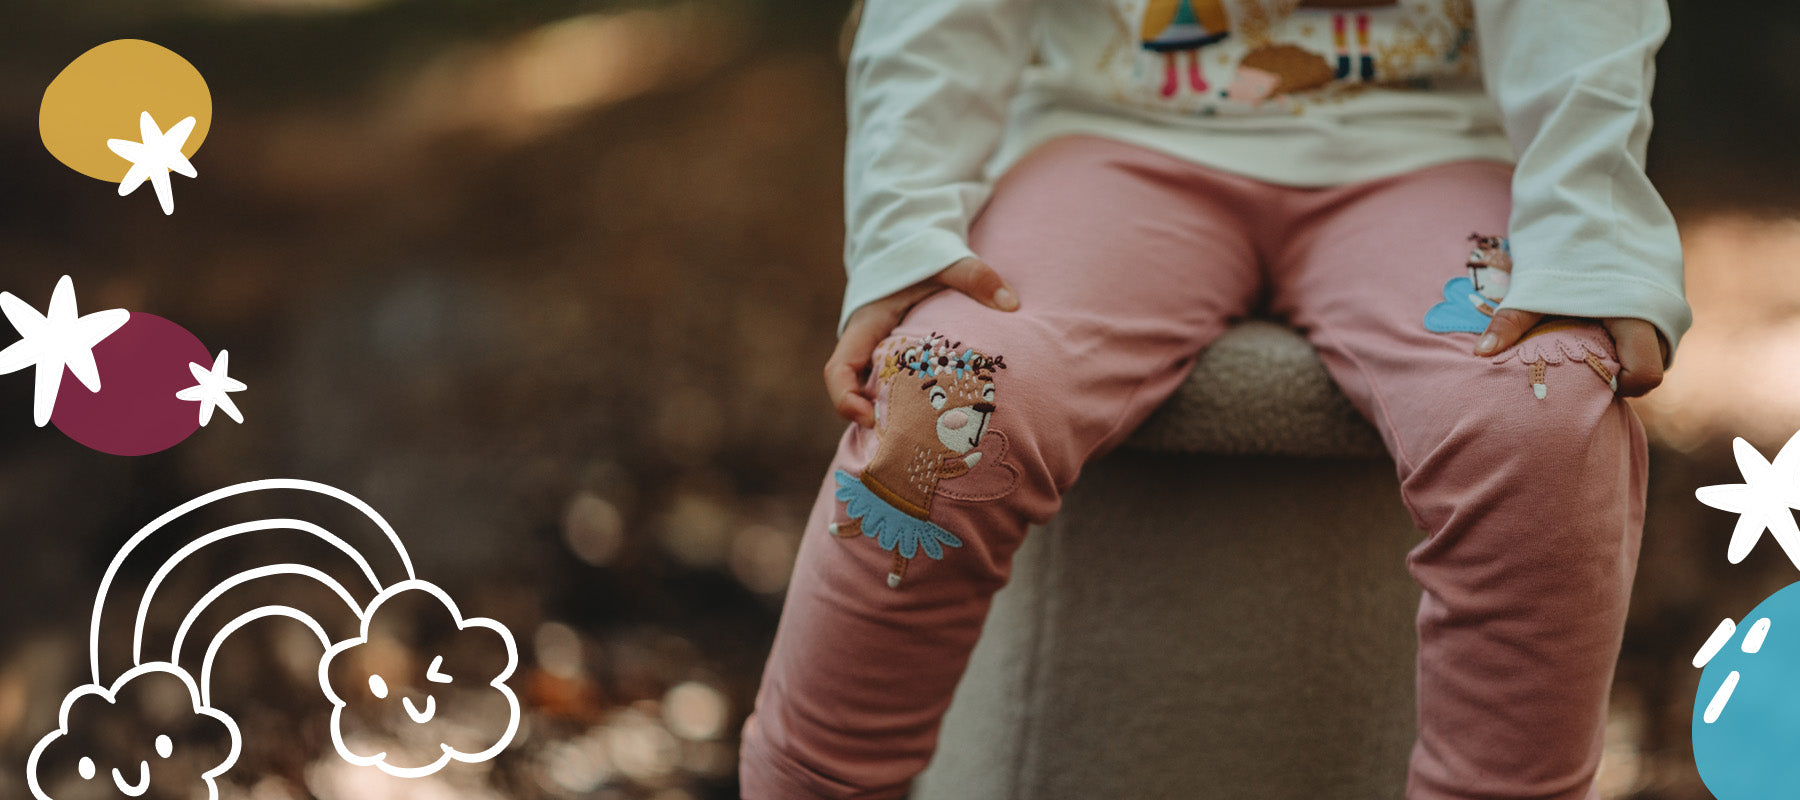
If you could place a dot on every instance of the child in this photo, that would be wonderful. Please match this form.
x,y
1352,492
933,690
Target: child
x,y
1446,196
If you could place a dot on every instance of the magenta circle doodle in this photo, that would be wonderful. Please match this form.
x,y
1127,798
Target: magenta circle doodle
x,y
141,366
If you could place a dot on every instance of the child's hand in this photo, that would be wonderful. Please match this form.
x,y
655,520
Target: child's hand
x,y
1641,347
870,324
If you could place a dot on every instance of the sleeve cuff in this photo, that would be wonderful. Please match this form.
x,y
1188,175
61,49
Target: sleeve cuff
x,y
1600,297
901,264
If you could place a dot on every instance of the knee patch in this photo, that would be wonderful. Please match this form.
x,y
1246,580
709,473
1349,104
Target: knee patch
x,y
935,406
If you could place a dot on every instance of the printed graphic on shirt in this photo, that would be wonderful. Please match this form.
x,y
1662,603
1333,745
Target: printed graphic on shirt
x,y
1470,302
1177,29
1260,57
934,426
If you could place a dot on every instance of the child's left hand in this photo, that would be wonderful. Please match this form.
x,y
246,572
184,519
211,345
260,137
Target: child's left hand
x,y
1642,349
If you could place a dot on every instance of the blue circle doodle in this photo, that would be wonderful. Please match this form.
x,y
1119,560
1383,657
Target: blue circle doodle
x,y
1751,749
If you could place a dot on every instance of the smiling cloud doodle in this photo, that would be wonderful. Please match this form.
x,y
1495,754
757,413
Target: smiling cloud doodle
x,y
382,700
122,740
142,734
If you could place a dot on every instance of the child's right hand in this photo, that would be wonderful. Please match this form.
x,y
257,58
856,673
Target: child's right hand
x,y
873,322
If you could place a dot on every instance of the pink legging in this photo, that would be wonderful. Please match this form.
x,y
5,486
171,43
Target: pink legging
x,y
1524,470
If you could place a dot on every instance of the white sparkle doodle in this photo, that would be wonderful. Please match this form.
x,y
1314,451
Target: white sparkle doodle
x,y
58,340
1762,500
154,158
214,389
116,736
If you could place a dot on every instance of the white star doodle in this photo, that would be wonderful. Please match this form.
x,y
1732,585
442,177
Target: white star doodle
x,y
154,157
54,341
1762,500
211,391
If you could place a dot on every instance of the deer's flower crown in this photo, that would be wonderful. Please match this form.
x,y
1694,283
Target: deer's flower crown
x,y
937,356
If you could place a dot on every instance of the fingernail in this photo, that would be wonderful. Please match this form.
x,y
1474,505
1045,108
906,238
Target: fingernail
x,y
1005,299
1487,344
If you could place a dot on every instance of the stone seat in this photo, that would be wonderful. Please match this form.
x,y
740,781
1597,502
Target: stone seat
x,y
1221,610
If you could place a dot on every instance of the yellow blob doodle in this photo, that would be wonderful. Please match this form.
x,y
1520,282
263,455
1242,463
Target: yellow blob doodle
x,y
102,94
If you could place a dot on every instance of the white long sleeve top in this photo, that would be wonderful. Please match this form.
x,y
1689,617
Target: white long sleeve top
x,y
946,94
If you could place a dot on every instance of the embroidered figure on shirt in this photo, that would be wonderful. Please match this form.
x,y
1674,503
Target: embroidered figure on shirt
x,y
1420,42
1270,73
1283,57
1351,18
1178,29
940,401
1470,302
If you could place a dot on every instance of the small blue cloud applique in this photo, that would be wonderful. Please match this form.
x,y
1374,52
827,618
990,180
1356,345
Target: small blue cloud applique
x,y
1457,314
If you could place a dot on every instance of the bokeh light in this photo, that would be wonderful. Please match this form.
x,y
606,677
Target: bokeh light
x,y
694,710
593,529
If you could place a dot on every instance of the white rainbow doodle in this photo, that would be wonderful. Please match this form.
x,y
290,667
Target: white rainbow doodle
x,y
200,691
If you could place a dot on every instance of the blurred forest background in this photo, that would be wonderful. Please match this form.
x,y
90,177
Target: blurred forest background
x,y
549,283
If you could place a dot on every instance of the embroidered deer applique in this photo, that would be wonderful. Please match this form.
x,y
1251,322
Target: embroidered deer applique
x,y
940,401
